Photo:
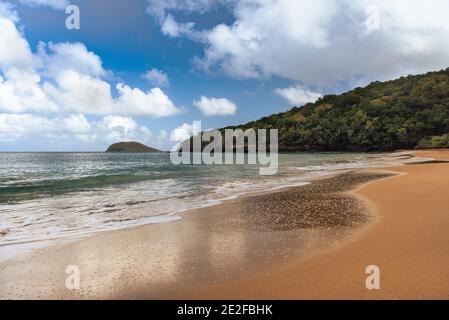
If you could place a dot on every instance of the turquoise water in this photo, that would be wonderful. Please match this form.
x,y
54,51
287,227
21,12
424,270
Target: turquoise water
x,y
48,195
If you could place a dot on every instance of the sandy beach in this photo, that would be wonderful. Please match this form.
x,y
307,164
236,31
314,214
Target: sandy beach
x,y
311,242
409,242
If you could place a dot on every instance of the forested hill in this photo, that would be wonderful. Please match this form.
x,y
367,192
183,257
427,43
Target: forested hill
x,y
400,114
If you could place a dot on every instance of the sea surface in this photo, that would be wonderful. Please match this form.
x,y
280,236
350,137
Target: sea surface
x,y
53,195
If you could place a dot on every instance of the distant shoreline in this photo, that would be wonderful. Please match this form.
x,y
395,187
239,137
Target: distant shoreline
x,y
162,151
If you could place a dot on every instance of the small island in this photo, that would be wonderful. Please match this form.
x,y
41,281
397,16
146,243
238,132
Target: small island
x,y
131,146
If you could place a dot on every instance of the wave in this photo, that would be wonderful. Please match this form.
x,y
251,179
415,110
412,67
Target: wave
x,y
134,194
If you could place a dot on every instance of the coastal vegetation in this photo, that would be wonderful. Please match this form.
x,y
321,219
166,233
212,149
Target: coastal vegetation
x,y
436,142
409,112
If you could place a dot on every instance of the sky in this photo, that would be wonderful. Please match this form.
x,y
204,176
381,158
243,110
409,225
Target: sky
x,y
145,70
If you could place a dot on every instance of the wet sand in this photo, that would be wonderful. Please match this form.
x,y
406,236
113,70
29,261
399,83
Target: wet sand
x,y
310,242
409,243
228,242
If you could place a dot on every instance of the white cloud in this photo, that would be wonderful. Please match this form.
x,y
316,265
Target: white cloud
x,y
321,42
7,11
14,49
157,78
70,56
215,107
124,123
73,129
170,27
77,123
118,127
21,92
17,125
184,132
153,103
77,92
55,4
298,95
64,129
168,23
66,77
158,8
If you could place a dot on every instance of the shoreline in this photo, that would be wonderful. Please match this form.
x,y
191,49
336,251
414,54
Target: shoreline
x,y
209,246
15,248
140,250
411,250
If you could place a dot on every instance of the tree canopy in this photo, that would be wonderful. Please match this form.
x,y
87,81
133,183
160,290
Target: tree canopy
x,y
405,113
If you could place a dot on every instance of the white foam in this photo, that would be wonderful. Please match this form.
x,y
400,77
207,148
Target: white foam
x,y
158,201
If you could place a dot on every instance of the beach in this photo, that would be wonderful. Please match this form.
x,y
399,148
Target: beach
x,y
409,242
307,242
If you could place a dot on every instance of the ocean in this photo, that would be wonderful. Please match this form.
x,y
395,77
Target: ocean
x,y
54,195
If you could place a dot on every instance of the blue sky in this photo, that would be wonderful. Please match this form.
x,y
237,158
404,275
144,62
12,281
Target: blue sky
x,y
223,62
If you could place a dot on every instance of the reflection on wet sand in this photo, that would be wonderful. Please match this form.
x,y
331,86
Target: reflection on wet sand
x,y
209,245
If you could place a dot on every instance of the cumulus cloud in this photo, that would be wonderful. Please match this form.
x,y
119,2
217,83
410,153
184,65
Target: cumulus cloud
x,y
184,132
157,78
14,49
66,77
119,128
215,107
320,42
154,102
76,123
21,92
14,127
298,95
7,11
57,57
77,92
55,4
109,129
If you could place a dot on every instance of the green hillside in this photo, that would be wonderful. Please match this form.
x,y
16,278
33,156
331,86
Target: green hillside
x,y
400,114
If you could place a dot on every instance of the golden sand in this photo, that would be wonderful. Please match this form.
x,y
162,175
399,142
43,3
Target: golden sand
x,y
409,242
